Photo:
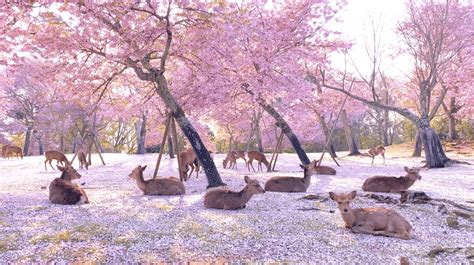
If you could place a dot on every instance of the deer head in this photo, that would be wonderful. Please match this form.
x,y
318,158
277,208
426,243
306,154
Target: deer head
x,y
253,186
413,173
69,173
137,172
343,200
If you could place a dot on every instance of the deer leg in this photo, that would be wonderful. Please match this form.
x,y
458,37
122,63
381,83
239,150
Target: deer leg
x,y
45,161
251,164
51,164
197,170
373,159
383,155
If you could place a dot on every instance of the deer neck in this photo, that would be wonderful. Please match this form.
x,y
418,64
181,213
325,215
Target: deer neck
x,y
141,182
349,217
65,176
408,180
245,195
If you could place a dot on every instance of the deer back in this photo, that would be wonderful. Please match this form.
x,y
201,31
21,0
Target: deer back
x,y
54,154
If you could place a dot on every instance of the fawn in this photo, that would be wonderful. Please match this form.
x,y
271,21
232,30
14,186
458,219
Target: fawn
x,y
292,184
392,184
375,221
375,151
157,186
54,154
62,191
188,159
222,198
82,159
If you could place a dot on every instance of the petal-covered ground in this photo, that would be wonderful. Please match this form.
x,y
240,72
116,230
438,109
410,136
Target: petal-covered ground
x,y
122,225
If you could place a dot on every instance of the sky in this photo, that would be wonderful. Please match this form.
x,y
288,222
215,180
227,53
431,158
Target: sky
x,y
357,17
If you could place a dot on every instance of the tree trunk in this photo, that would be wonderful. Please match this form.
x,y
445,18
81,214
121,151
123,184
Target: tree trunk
x,y
330,148
351,142
170,146
26,146
452,134
40,145
418,145
214,180
258,136
434,153
231,142
61,143
385,128
141,134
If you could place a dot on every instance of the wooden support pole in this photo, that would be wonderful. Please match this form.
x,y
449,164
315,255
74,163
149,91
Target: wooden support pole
x,y
275,152
96,144
175,138
163,142
82,143
278,150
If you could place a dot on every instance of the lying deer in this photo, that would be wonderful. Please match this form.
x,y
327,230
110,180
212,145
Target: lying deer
x,y
324,170
55,155
375,151
222,198
81,156
62,191
292,184
260,157
188,159
11,150
375,221
392,184
157,186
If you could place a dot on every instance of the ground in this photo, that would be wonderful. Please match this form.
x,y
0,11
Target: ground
x,y
122,225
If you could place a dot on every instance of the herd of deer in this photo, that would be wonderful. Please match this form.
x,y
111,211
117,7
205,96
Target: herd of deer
x,y
376,221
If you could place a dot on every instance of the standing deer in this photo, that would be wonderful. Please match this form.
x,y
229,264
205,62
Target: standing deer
x,y
157,186
4,150
232,157
81,157
375,151
292,184
62,191
58,156
11,150
260,157
375,221
188,159
392,184
222,198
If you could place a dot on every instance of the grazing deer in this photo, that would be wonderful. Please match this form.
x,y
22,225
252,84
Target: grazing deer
x,y
392,184
157,186
11,150
375,221
189,159
375,151
222,198
54,154
81,157
292,184
4,150
324,170
260,157
62,191
232,157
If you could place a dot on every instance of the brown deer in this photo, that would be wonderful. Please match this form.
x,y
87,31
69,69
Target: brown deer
x,y
392,184
375,151
292,184
375,221
157,186
62,191
58,156
11,150
81,156
188,159
222,198
232,157
260,157
4,150
324,170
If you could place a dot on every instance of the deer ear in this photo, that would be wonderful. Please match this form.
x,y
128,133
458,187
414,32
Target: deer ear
x,y
61,168
332,195
407,169
352,195
143,168
247,179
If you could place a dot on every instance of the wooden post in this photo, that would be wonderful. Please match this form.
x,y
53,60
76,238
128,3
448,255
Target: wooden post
x,y
163,142
275,152
82,144
96,144
278,151
175,138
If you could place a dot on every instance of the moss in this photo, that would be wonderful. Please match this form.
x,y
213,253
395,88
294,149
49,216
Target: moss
x,y
9,242
79,233
164,207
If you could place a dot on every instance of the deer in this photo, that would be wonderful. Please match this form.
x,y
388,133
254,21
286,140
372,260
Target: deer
x,y
62,191
293,184
375,221
4,150
58,156
81,157
375,151
232,157
11,150
392,184
157,186
222,198
324,170
260,157
188,159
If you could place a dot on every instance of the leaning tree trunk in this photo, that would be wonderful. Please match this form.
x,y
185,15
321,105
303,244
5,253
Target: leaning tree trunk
x,y
434,153
26,146
418,145
330,148
214,180
351,142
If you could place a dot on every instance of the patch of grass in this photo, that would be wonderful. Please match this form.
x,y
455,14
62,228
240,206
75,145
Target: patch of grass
x,y
79,233
37,208
164,207
127,240
9,242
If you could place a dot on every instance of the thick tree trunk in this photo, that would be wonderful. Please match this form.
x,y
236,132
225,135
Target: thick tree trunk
x,y
40,146
434,153
170,146
141,134
258,136
26,146
231,142
330,148
452,134
61,143
351,142
418,145
214,180
385,128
